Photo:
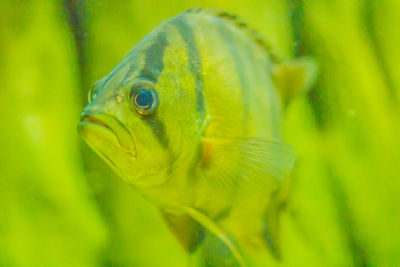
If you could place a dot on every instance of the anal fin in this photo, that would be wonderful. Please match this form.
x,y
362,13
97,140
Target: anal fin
x,y
277,204
188,231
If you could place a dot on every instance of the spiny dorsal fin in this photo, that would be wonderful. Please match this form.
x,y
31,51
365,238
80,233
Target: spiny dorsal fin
x,y
239,23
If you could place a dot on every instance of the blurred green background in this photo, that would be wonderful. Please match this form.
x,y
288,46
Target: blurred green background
x,y
61,206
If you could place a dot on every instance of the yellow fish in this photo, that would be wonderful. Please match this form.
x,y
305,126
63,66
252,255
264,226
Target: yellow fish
x,y
191,118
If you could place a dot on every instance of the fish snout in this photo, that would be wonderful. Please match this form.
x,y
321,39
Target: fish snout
x,y
102,122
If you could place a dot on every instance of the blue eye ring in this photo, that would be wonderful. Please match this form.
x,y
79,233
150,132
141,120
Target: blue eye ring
x,y
144,98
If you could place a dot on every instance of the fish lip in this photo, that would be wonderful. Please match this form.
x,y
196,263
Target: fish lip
x,y
114,125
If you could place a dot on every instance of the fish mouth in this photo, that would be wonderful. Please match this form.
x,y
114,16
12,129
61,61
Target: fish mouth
x,y
102,124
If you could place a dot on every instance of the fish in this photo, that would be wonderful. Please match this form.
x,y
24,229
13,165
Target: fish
x,y
191,117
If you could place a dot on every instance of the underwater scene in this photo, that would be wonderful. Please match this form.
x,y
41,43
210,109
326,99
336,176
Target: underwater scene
x,y
200,133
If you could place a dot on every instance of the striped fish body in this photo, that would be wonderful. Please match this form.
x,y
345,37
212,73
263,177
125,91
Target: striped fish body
x,y
226,74
210,153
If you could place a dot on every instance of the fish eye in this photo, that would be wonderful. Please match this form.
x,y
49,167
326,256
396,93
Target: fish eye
x,y
145,100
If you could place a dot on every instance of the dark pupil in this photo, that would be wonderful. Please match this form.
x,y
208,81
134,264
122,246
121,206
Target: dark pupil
x,y
144,98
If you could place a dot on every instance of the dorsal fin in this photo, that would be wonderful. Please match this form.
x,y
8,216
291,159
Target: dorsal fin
x,y
240,24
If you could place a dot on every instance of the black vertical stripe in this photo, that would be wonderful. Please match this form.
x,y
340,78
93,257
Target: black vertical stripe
x,y
154,55
158,129
194,61
235,51
152,69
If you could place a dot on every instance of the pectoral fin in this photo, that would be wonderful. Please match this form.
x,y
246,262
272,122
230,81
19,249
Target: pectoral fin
x,y
294,77
254,163
187,230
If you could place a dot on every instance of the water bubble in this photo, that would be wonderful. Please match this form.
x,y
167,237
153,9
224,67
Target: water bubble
x,y
351,112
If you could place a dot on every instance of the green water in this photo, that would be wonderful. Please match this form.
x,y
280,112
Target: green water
x,y
60,205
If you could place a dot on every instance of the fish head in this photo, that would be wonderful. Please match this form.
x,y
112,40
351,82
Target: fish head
x,y
142,118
